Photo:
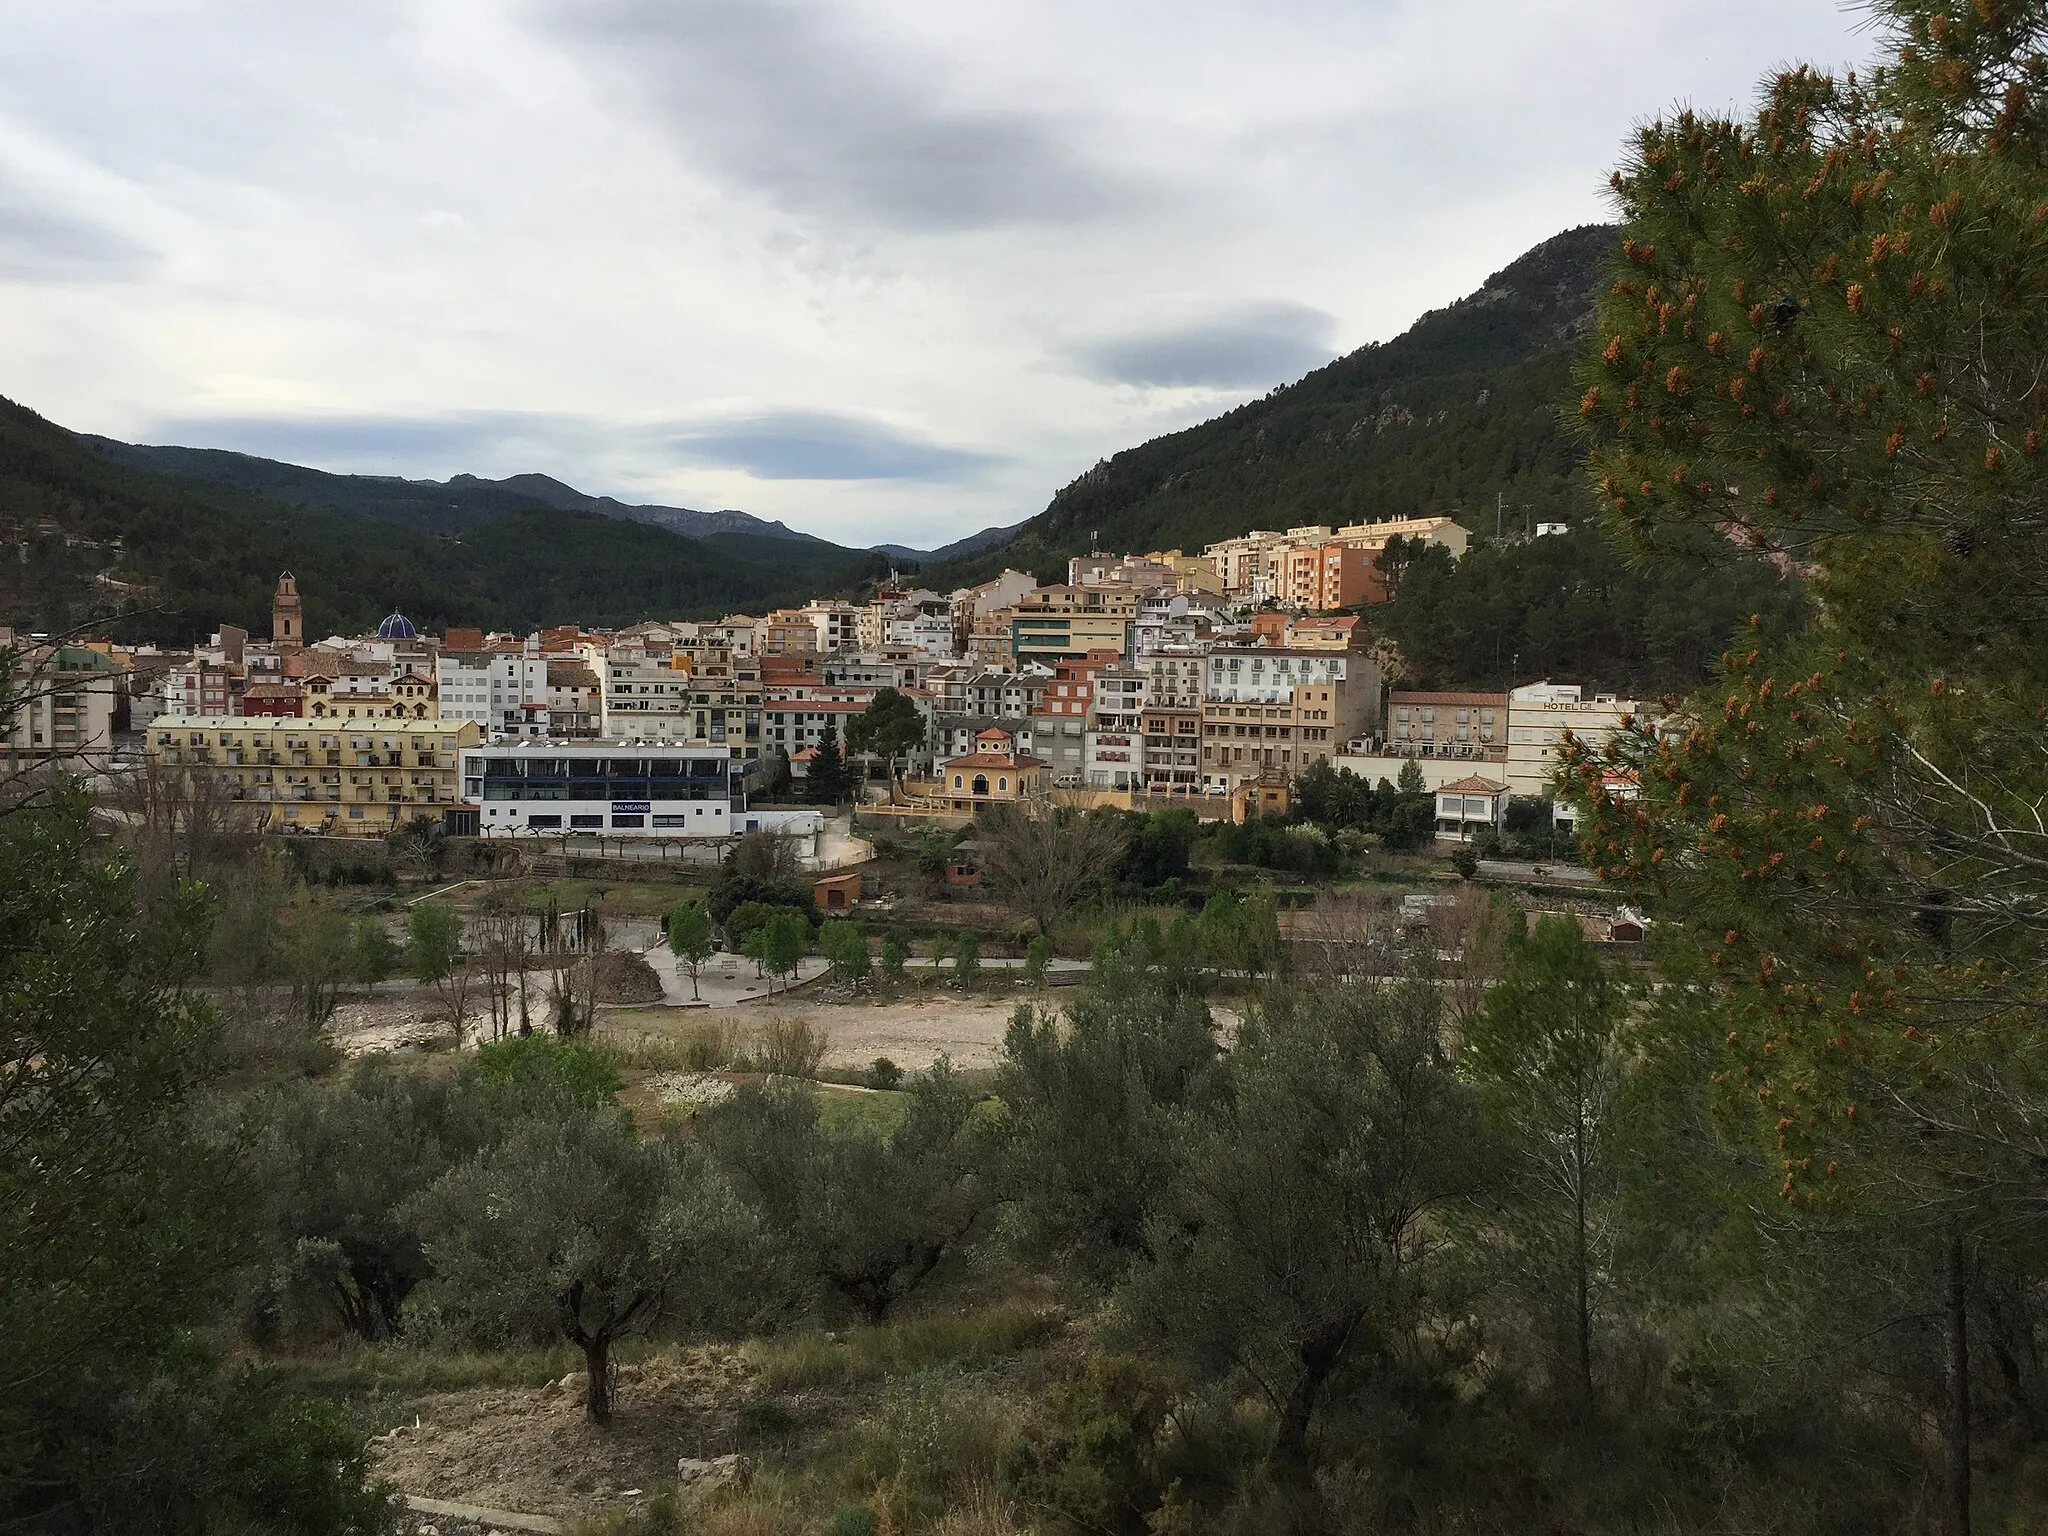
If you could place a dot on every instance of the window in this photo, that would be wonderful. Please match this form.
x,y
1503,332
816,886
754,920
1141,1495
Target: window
x,y
672,821
543,821
586,821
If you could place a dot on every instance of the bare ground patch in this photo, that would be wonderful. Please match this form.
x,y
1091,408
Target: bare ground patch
x,y
912,1032
530,1449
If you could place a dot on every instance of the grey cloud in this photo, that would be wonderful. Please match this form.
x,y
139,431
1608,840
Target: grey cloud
x,y
820,445
774,445
1252,344
375,444
41,243
771,95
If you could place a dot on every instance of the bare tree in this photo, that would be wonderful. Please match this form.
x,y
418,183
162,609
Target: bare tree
x,y
505,949
1044,858
1468,935
765,856
179,825
573,965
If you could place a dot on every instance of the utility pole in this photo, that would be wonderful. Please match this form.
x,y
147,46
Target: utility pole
x,y
1499,501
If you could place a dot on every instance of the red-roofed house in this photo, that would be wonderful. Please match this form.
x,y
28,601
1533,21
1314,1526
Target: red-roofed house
x,y
994,771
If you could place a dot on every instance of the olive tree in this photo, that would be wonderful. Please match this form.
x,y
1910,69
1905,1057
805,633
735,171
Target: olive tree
x,y
577,1228
1292,1244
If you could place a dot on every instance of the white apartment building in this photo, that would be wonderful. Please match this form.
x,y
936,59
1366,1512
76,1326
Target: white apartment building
x,y
644,697
63,714
504,692
1173,678
1114,756
1261,675
837,624
866,669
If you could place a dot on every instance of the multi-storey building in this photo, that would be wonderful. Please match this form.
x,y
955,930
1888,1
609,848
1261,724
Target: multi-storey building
x,y
1173,748
724,702
794,724
552,789
354,778
835,623
1320,577
887,668
1539,715
504,691
1447,725
1061,623
1250,740
788,632
282,701
63,704
1265,675
646,697
981,602
575,700
1305,567
1268,711
1173,677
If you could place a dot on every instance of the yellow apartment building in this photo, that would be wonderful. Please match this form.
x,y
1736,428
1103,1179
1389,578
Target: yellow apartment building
x,y
358,778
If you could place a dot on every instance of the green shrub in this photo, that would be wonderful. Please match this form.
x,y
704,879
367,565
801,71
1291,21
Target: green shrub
x,y
884,1074
529,1067
1092,1461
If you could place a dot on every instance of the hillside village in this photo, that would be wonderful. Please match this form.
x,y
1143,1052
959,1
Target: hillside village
x,y
1144,681
1458,947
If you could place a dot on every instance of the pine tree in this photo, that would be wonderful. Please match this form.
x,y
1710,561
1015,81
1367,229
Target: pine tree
x,y
826,780
1823,346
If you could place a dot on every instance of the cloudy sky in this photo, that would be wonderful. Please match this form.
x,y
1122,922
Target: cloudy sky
x,y
886,269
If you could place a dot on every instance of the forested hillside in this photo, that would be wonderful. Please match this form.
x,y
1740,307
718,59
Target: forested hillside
x,y
1457,411
92,539
440,506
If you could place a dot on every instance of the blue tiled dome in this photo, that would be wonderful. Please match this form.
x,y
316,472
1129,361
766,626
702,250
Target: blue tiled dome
x,y
397,627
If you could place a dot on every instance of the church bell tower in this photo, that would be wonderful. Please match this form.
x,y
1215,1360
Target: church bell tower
x,y
287,619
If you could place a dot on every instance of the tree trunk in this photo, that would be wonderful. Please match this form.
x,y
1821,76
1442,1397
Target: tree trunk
x,y
1315,1360
1583,1318
1582,1315
1957,1428
597,1379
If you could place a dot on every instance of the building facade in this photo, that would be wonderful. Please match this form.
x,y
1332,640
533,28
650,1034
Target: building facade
x,y
345,777
554,789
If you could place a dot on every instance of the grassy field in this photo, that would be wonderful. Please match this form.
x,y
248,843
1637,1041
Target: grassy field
x,y
839,1106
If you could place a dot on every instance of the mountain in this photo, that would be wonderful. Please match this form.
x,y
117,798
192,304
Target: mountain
x,y
443,506
973,544
87,537
691,524
1459,414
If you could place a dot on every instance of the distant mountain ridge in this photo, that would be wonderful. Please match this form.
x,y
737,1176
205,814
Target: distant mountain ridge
x,y
1459,415
88,534
442,506
973,544
448,506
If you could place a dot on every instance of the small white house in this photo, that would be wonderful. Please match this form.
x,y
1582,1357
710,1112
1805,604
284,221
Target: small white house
x,y
1467,807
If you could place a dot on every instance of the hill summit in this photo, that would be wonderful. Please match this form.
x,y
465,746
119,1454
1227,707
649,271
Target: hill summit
x,y
1457,415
